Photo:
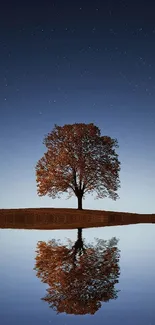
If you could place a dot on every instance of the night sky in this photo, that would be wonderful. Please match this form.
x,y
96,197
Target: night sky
x,y
63,62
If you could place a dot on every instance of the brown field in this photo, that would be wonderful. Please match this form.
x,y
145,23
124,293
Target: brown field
x,y
52,218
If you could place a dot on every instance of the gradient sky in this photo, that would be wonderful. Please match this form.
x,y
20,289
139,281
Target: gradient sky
x,y
77,61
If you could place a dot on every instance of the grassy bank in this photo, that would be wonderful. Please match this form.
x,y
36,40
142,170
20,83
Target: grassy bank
x,y
51,218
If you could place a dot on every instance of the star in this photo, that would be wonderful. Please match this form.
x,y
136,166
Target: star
x,y
112,31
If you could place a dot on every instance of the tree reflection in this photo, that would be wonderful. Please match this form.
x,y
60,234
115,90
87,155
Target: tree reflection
x,y
80,277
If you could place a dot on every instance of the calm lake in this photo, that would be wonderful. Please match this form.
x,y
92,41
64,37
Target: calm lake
x,y
113,282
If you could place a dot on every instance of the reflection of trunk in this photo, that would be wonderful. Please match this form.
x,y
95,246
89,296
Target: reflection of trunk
x,y
80,202
79,243
78,246
80,234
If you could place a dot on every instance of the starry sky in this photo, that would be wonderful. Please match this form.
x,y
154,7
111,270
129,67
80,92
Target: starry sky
x,y
63,62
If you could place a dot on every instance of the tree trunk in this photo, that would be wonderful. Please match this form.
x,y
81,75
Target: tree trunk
x,y
80,202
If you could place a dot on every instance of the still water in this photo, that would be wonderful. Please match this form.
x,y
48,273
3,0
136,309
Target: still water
x,y
111,282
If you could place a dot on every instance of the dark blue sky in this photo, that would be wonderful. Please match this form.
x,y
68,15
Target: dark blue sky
x,y
77,61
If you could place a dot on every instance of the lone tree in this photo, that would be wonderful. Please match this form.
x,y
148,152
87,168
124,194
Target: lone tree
x,y
78,161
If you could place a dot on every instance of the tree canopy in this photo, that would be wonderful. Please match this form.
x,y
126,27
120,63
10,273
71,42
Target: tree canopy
x,y
78,160
78,284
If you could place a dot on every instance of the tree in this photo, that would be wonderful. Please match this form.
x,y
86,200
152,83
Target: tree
x,y
78,160
79,281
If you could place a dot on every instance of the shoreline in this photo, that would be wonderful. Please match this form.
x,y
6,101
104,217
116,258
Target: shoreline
x,y
67,218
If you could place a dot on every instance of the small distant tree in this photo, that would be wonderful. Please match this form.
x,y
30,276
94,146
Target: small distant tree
x,y
78,160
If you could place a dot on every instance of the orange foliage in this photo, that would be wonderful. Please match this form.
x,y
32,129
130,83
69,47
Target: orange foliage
x,y
78,288
78,160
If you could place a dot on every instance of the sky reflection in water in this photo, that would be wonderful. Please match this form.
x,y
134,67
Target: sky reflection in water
x,y
21,290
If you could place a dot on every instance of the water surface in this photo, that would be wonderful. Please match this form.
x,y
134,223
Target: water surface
x,y
21,289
